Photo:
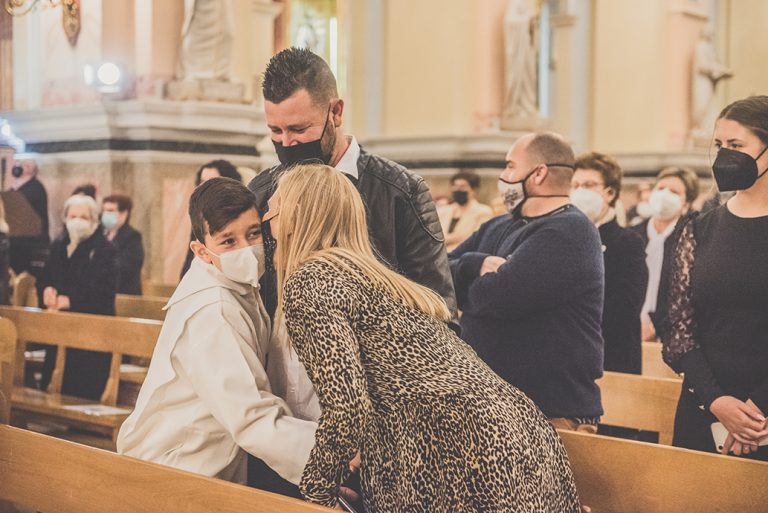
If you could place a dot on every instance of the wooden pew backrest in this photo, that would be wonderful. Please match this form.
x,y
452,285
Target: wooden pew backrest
x,y
115,335
653,363
46,474
624,476
7,361
640,402
140,307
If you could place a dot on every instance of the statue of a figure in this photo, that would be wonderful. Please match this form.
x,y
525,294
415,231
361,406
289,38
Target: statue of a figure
x,y
206,40
707,72
520,61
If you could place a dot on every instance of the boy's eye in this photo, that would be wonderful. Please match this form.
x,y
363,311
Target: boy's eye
x,y
228,242
254,234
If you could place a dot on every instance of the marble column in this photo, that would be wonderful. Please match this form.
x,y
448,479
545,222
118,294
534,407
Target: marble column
x,y
6,60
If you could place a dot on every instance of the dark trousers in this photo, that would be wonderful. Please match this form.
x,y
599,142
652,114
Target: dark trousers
x,y
261,476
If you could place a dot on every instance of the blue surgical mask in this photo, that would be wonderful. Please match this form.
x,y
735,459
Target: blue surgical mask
x,y
109,220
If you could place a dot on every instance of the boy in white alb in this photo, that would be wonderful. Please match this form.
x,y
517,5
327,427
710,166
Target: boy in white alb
x,y
206,399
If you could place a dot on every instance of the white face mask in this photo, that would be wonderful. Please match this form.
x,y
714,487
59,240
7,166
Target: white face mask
x,y
665,205
513,193
644,210
244,265
589,202
79,229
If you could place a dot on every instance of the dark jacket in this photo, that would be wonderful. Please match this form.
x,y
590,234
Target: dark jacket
x,y
536,321
5,292
130,258
89,279
30,253
659,317
626,280
402,220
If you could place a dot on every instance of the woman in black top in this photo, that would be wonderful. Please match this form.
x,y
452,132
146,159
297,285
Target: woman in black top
x,y
719,296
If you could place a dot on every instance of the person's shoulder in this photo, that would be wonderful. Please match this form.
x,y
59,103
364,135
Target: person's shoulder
x,y
389,171
320,279
628,240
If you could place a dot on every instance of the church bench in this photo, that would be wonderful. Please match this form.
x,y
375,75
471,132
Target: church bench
x,y
141,307
152,288
653,364
41,473
640,402
115,335
7,360
624,476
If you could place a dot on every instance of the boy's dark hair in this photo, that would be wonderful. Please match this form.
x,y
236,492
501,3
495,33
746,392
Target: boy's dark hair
x,y
216,203
298,68
224,167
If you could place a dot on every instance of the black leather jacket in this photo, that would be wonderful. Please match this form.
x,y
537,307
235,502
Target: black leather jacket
x,y
402,220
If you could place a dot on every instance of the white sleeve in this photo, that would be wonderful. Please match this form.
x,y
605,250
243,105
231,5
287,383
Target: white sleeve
x,y
230,380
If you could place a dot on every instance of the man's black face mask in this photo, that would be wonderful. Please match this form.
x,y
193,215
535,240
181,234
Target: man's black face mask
x,y
302,152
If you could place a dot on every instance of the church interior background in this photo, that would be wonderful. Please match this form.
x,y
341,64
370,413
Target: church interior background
x,y
134,95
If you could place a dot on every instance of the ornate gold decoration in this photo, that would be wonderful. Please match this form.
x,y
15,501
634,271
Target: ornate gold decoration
x,y
70,13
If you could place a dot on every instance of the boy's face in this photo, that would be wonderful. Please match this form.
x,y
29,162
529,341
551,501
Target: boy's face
x,y
240,233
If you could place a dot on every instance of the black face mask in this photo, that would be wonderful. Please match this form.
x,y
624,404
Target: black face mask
x,y
17,171
735,170
461,197
302,152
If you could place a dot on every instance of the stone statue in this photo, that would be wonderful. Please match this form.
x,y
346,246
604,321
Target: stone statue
x,y
707,72
204,71
206,40
520,84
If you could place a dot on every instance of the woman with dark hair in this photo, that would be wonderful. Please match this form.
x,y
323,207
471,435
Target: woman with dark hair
x,y
212,169
718,302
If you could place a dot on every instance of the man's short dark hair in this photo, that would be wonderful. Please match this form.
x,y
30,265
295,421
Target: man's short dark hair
x,y
224,167
607,166
298,68
550,148
471,178
686,175
216,203
124,203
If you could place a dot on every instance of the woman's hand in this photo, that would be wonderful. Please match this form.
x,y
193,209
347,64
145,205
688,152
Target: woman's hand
x,y
49,298
62,303
744,422
732,446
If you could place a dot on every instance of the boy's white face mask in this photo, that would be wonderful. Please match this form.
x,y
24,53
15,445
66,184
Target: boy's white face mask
x,y
244,265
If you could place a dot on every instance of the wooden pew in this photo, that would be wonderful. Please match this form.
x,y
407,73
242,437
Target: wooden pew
x,y
24,291
49,475
119,336
653,364
624,476
151,288
7,359
141,307
640,402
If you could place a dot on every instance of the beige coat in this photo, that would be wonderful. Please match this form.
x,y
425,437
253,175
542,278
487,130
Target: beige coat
x,y
206,399
475,215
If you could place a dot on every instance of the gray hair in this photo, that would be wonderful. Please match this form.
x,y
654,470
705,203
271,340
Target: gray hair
x,y
82,199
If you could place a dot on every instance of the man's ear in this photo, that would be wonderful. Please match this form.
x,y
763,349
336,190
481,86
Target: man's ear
x,y
540,174
337,111
200,251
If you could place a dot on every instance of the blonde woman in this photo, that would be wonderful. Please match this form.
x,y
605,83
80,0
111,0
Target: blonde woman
x,y
437,430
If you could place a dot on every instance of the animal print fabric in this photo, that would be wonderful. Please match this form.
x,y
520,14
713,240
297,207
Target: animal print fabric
x,y
437,429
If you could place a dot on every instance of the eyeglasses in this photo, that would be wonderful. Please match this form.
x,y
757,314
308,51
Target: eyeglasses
x,y
589,184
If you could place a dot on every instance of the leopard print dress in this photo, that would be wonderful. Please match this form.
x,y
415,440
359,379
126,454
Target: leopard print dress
x,y
438,431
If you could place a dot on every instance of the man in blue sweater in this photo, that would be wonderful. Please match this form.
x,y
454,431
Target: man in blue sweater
x,y
530,285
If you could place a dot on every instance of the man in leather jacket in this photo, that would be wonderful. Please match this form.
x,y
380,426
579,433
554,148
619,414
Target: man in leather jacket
x,y
304,115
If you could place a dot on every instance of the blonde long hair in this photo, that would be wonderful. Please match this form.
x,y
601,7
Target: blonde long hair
x,y
322,217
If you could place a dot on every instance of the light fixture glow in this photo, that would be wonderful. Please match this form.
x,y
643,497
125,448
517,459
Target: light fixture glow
x,y
88,74
108,74
5,129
